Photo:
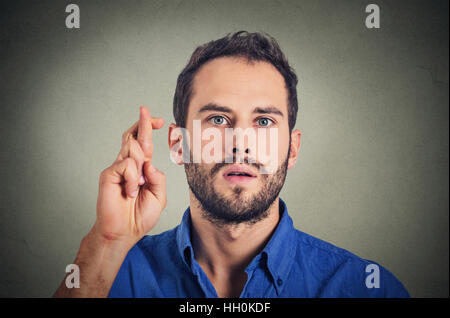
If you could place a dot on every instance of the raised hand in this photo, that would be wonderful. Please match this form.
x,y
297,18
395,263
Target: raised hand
x,y
132,192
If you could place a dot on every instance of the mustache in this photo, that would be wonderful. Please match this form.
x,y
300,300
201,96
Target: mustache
x,y
231,161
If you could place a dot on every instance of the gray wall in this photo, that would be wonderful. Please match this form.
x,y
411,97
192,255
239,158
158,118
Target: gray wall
x,y
372,176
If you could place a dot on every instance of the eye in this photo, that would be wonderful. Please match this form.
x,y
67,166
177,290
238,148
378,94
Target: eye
x,y
218,120
265,122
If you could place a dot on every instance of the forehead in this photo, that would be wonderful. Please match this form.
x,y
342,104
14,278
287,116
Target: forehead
x,y
238,84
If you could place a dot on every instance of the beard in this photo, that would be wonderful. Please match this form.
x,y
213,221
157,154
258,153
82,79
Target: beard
x,y
220,210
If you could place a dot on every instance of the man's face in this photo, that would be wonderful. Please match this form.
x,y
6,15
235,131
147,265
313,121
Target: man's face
x,y
229,93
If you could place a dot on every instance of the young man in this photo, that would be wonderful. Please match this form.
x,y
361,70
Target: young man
x,y
236,239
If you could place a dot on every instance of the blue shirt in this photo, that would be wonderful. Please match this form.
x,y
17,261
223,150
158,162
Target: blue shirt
x,y
292,264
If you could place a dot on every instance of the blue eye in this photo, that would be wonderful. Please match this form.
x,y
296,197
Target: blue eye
x,y
218,120
264,122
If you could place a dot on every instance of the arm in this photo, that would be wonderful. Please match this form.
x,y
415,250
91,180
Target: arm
x,y
99,262
131,197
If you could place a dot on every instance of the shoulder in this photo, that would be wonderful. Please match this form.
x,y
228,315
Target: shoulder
x,y
340,273
316,247
151,246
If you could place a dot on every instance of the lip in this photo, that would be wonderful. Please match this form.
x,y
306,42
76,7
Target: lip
x,y
235,179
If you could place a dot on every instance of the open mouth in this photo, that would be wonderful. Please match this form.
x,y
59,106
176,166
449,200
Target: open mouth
x,y
238,174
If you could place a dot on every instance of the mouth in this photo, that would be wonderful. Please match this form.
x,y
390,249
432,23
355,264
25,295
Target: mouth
x,y
238,174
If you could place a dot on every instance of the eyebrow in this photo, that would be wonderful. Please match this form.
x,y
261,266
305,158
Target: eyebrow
x,y
268,110
225,109
214,107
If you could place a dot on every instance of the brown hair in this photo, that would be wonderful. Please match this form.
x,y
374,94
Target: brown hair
x,y
253,47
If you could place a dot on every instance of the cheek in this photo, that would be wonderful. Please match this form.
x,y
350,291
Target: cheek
x,y
206,143
283,143
283,148
272,147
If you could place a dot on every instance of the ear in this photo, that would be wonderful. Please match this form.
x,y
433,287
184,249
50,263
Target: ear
x,y
295,147
176,144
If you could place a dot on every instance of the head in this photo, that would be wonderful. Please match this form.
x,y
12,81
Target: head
x,y
241,82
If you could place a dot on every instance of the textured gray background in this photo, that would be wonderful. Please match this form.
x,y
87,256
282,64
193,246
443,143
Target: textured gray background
x,y
372,176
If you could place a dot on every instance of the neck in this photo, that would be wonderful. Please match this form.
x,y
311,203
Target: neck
x,y
224,252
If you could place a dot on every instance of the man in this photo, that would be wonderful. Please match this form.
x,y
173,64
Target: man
x,y
236,239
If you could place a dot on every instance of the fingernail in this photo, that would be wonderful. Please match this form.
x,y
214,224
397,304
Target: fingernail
x,y
134,194
152,169
141,179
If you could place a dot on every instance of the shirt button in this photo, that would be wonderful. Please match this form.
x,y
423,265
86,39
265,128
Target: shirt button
x,y
279,281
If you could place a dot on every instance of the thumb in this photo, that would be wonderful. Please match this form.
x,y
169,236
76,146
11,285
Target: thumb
x,y
156,182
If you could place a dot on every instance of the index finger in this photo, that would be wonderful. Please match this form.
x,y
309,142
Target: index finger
x,y
145,127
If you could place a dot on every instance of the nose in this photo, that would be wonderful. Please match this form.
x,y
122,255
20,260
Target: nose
x,y
241,150
235,150
240,141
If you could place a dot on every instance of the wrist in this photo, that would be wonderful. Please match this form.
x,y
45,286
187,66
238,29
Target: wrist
x,y
99,260
98,239
100,249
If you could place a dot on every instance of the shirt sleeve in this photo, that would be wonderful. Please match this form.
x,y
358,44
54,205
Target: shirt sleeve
x,y
123,283
359,278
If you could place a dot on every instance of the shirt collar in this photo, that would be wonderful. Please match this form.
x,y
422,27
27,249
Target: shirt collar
x,y
279,253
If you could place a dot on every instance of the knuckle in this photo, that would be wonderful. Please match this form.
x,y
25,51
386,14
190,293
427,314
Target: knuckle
x,y
130,165
124,137
147,147
106,171
136,150
137,160
103,175
143,142
139,164
129,162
